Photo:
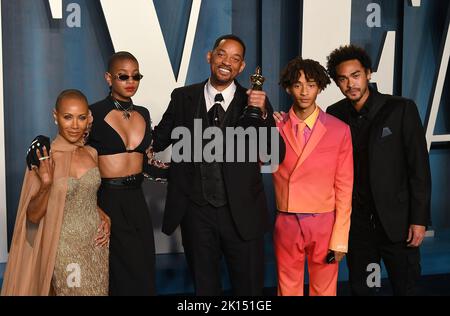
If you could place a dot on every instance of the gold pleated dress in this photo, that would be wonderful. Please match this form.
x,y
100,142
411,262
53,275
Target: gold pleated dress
x,y
81,268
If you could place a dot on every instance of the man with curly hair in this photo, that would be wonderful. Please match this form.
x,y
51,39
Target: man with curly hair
x,y
392,188
313,186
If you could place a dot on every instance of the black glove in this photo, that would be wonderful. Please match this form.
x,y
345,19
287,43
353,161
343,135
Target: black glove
x,y
37,143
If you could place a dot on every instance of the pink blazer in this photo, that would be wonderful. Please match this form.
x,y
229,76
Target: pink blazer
x,y
320,179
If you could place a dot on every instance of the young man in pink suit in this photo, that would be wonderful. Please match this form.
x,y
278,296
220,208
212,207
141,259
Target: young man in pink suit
x,y
313,186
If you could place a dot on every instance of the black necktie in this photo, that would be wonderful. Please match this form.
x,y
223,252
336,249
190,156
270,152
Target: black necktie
x,y
216,113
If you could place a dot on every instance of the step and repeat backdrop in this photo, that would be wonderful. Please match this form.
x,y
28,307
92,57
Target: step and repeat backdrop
x,y
50,45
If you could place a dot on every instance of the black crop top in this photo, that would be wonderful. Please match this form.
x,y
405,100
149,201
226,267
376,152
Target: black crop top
x,y
105,139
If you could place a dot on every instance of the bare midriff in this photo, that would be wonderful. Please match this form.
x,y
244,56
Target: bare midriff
x,y
120,165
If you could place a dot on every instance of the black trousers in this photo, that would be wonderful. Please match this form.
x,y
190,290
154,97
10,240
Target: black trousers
x,y
132,247
368,243
208,235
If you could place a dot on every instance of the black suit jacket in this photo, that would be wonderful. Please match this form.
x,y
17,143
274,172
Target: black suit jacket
x,y
399,165
243,181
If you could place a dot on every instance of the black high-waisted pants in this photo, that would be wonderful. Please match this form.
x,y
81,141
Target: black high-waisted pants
x,y
132,248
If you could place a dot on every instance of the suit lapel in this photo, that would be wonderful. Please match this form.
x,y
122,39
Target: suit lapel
x,y
287,131
236,107
196,108
317,133
379,101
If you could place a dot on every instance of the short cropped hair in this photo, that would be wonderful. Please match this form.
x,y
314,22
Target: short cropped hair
x,y
312,69
346,53
120,56
231,37
72,94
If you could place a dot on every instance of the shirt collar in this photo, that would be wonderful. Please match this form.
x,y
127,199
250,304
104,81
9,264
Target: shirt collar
x,y
309,121
228,94
365,110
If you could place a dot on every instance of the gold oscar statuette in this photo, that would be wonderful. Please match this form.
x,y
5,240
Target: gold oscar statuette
x,y
257,81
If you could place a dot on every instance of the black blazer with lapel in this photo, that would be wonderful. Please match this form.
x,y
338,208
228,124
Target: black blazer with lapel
x,y
399,165
243,181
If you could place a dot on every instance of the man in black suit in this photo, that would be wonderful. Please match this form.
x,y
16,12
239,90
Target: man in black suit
x,y
220,206
392,187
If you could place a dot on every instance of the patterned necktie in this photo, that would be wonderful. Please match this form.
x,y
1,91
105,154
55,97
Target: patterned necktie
x,y
216,113
300,135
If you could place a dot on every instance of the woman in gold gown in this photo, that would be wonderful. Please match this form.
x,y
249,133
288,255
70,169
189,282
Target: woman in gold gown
x,y
61,237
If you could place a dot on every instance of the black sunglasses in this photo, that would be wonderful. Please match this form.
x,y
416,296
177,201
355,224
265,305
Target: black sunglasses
x,y
136,77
